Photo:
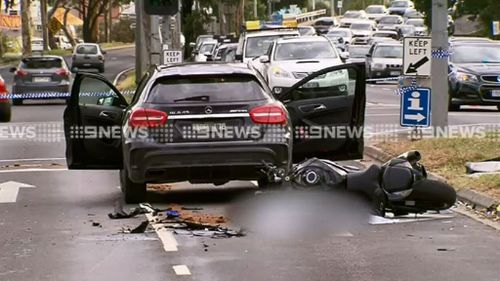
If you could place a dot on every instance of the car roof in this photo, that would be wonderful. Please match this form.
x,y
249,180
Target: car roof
x,y
385,31
205,68
271,32
43,57
388,43
469,39
299,39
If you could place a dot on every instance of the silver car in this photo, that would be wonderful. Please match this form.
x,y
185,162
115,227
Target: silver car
x,y
40,77
88,55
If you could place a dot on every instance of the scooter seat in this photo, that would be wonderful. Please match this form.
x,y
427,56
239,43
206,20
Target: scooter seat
x,y
397,178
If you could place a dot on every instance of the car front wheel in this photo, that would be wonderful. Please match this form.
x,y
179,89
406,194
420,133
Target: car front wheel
x,y
133,192
5,114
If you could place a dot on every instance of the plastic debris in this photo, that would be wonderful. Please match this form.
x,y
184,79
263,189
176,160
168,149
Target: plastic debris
x,y
172,214
96,224
141,228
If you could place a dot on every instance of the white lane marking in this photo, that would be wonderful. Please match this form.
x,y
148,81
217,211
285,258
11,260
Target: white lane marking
x,y
32,170
9,191
181,269
167,237
343,234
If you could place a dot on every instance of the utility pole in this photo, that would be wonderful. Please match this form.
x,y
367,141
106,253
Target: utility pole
x,y
314,5
332,8
255,16
141,56
45,30
269,9
439,67
26,27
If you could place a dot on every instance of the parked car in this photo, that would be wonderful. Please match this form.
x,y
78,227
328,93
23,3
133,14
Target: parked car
x,y
36,44
352,16
375,12
474,74
197,99
88,55
323,24
63,43
5,108
399,7
385,59
38,75
389,22
291,59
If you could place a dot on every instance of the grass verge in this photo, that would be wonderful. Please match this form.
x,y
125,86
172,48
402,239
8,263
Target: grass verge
x,y
447,157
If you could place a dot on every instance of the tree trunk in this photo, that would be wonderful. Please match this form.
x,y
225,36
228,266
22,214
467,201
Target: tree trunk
x,y
26,27
45,31
65,29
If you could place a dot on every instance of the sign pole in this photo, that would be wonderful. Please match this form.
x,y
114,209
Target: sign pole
x,y
439,69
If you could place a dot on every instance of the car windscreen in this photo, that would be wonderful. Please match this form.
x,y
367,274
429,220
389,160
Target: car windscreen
x,y
306,31
388,52
358,52
400,4
361,26
389,20
352,15
476,54
416,22
206,48
338,33
41,63
206,89
86,50
375,10
304,51
258,46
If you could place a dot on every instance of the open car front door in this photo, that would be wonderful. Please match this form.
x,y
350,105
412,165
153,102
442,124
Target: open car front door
x,y
327,110
92,124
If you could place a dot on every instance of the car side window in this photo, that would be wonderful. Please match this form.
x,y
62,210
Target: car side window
x,y
334,83
93,91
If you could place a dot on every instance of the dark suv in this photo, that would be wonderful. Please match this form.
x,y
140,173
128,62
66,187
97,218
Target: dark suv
x,y
40,77
207,123
474,74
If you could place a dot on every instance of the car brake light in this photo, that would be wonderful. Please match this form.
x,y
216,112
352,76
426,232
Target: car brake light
x,y
62,72
99,57
268,114
3,89
144,117
21,73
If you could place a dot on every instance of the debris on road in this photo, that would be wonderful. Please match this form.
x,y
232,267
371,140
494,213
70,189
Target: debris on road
x,y
141,228
191,208
96,224
483,167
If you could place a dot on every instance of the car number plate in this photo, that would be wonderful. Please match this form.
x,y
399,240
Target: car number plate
x,y
395,73
86,64
208,127
41,79
495,93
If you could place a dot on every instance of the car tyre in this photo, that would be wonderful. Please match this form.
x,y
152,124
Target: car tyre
x,y
17,101
498,107
133,192
451,106
5,115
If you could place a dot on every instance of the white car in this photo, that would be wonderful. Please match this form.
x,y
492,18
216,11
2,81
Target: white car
x,y
352,16
206,49
291,59
37,45
255,43
375,12
363,28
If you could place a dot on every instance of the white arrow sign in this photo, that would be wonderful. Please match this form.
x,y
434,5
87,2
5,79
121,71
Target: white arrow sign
x,y
418,117
10,189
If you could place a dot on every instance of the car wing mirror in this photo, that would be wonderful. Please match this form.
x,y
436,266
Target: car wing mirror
x,y
344,55
12,69
264,59
192,44
74,69
104,52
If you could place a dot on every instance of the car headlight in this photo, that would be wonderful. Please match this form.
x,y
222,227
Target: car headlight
x,y
378,66
466,77
278,72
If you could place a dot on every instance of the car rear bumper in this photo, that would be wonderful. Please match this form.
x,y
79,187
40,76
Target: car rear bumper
x,y
88,64
39,90
148,162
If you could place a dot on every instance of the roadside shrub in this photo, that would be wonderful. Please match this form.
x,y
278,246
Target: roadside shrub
x,y
121,32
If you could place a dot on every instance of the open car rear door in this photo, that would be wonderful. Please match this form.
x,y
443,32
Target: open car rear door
x,y
92,124
327,110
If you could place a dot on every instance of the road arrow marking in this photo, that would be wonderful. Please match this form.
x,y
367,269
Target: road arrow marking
x,y
417,117
10,189
412,68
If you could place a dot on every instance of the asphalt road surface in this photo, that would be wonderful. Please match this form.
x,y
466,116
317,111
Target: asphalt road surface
x,y
47,218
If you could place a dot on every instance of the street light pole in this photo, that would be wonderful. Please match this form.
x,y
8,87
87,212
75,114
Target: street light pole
x,y
439,67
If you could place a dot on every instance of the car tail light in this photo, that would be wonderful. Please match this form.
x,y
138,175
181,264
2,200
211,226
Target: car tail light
x,y
99,57
21,73
62,72
268,114
144,117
